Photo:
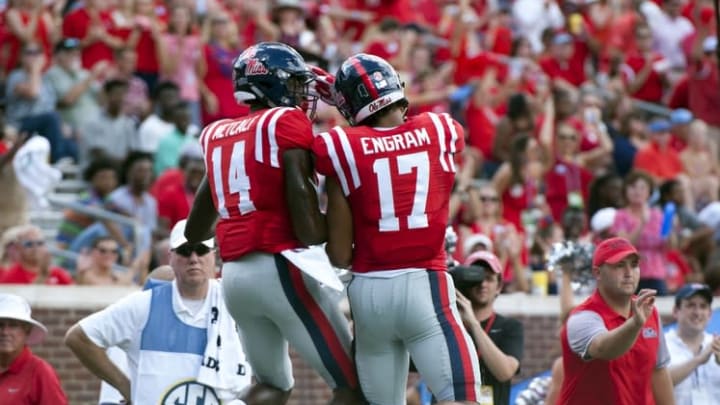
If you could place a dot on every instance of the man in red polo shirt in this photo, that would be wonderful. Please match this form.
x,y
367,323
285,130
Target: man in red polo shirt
x,y
25,379
613,347
33,263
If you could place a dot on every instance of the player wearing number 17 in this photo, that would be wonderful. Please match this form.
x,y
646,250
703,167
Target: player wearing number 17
x,y
388,181
259,182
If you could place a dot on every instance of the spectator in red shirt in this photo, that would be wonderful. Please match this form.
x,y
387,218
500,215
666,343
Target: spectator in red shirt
x,y
175,200
645,70
703,97
147,28
566,61
568,179
33,263
25,379
680,119
520,119
219,54
93,26
25,22
658,159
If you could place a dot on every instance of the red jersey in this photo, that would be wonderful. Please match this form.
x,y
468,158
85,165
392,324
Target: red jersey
x,y
623,381
398,182
244,164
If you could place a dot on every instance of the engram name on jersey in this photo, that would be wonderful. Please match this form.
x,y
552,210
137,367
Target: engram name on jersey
x,y
400,214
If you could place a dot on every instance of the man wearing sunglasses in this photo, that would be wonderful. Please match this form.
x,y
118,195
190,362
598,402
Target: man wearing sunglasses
x,y
181,342
32,264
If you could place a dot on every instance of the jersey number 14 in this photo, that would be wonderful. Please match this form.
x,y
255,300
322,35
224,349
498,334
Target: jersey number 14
x,y
238,182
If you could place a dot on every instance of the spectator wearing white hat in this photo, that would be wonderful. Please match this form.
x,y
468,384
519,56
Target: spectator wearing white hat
x,y
179,338
475,243
601,222
25,379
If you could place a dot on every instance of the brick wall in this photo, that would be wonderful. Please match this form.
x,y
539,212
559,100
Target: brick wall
x,y
60,307
82,387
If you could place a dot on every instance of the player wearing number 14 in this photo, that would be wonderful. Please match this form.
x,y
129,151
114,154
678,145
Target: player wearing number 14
x,y
388,181
259,173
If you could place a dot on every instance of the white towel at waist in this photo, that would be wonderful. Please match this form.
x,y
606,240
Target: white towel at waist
x,y
225,367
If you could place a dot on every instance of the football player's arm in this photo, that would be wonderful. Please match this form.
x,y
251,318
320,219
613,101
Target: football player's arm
x,y
202,215
340,227
307,220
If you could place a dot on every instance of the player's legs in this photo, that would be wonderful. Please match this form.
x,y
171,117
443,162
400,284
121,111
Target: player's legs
x,y
313,323
440,347
248,285
381,357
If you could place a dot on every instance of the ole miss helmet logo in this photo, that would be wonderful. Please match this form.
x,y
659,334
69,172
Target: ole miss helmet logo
x,y
255,67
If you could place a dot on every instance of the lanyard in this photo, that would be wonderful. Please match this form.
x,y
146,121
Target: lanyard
x,y
487,328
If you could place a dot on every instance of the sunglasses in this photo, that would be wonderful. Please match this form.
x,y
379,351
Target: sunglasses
x,y
186,249
32,243
32,52
485,198
107,251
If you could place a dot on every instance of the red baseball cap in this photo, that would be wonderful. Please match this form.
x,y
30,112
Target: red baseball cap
x,y
612,251
487,257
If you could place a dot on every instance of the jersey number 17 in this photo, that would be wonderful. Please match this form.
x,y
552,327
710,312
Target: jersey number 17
x,y
417,219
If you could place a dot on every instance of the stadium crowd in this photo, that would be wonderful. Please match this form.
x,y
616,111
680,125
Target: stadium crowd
x,y
584,119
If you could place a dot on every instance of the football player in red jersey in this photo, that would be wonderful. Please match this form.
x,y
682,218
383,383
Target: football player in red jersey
x,y
260,184
388,181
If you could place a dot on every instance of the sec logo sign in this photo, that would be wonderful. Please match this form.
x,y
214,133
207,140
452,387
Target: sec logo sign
x,y
190,393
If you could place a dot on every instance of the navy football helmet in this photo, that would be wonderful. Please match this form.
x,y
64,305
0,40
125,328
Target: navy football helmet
x,y
364,85
272,74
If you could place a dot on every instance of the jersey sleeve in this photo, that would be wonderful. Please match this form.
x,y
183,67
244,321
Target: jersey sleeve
x,y
323,164
456,141
292,130
450,138
334,157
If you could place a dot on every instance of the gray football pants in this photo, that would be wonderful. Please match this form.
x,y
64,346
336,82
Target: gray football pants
x,y
273,304
413,314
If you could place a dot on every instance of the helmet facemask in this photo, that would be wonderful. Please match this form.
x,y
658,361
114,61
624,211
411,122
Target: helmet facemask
x,y
298,90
